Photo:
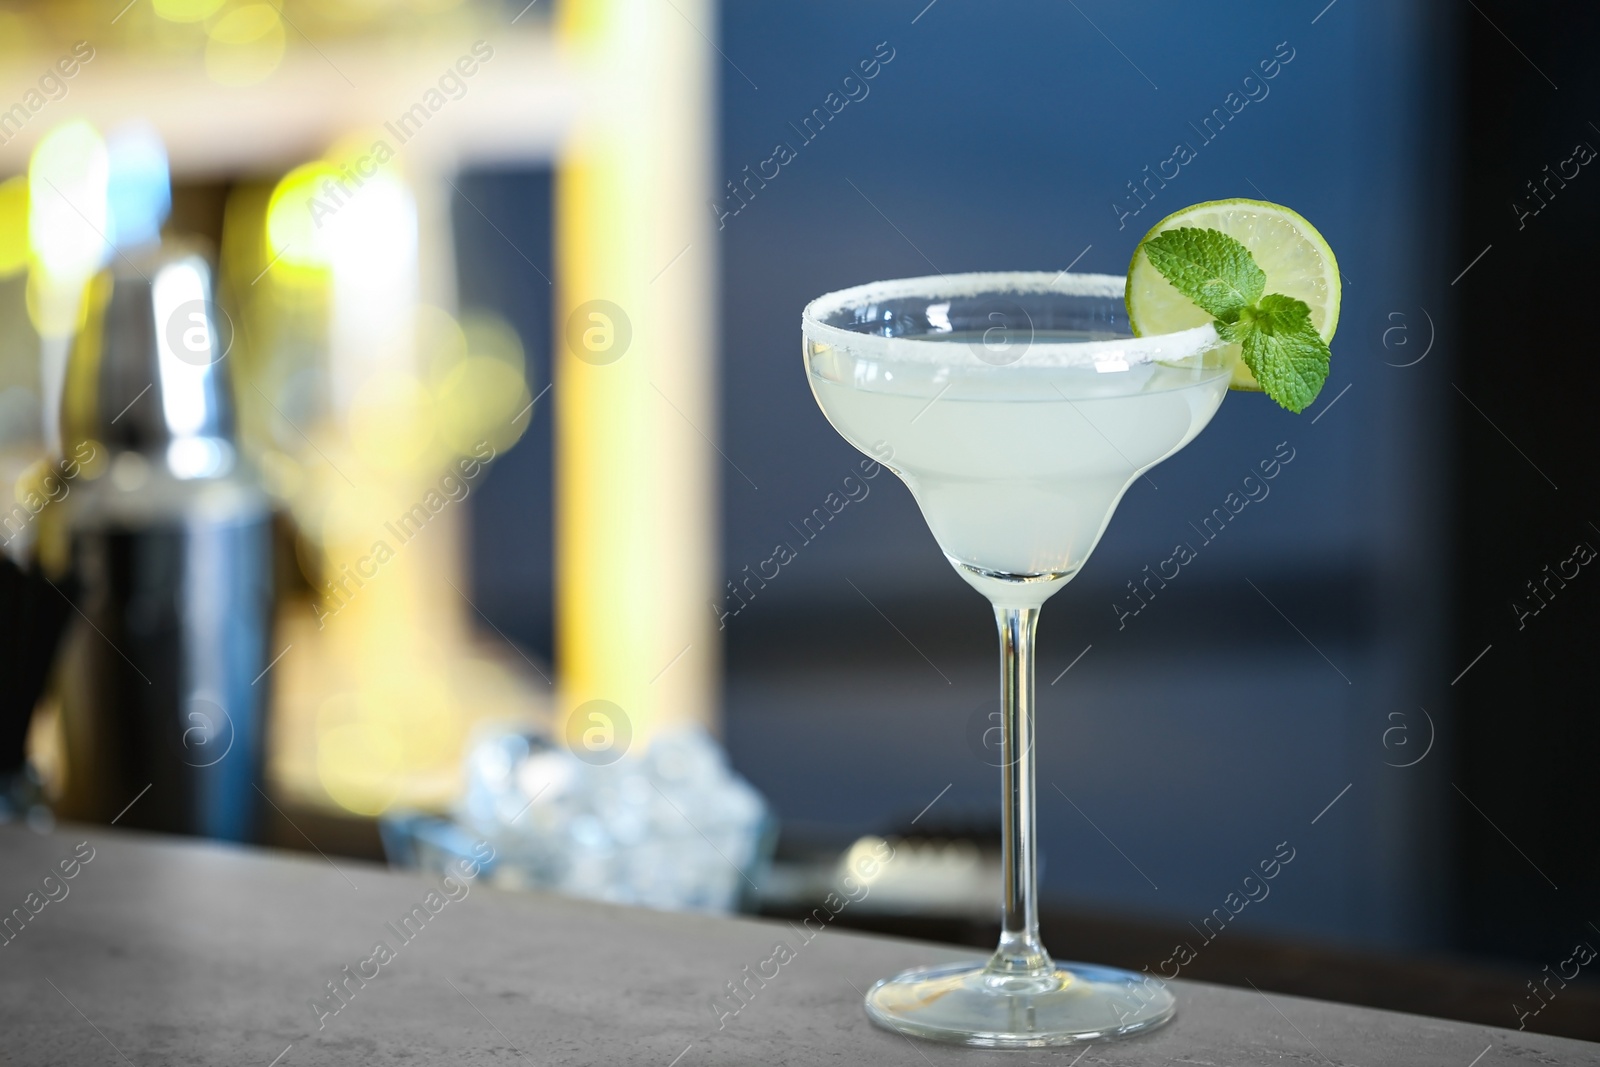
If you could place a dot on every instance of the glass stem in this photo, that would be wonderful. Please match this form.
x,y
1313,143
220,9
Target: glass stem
x,y
1020,952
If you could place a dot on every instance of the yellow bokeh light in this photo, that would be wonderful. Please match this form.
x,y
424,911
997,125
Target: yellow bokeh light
x,y
293,236
36,484
359,765
327,217
370,226
481,400
245,46
441,343
13,225
67,178
186,10
492,337
55,307
411,698
392,421
350,520
246,25
485,396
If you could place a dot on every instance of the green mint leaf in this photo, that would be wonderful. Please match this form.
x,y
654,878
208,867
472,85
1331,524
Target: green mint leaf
x,y
1215,271
1282,348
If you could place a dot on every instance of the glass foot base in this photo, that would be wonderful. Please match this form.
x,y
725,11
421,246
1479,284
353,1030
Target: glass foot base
x,y
963,1004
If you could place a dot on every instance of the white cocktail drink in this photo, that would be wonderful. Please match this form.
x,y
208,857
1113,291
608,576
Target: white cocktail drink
x,y
1018,441
1017,468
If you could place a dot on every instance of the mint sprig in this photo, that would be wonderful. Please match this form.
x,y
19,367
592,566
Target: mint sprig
x,y
1274,333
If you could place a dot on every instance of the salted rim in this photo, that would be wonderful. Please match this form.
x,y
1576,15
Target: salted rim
x,y
1183,344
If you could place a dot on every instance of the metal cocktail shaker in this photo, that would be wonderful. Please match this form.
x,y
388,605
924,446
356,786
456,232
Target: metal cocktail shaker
x,y
171,546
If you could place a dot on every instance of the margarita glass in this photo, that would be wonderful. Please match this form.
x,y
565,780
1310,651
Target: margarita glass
x,y
1017,408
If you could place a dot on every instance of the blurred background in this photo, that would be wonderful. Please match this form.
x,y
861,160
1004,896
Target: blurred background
x,y
502,410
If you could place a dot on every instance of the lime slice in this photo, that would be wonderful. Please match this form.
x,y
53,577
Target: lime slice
x,y
1287,248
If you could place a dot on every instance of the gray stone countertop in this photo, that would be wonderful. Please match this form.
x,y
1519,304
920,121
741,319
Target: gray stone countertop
x,y
162,950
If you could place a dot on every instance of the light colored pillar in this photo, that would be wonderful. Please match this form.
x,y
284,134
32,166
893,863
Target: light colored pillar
x,y
635,390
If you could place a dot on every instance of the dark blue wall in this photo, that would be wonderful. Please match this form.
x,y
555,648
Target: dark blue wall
x,y
1212,727
1224,718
